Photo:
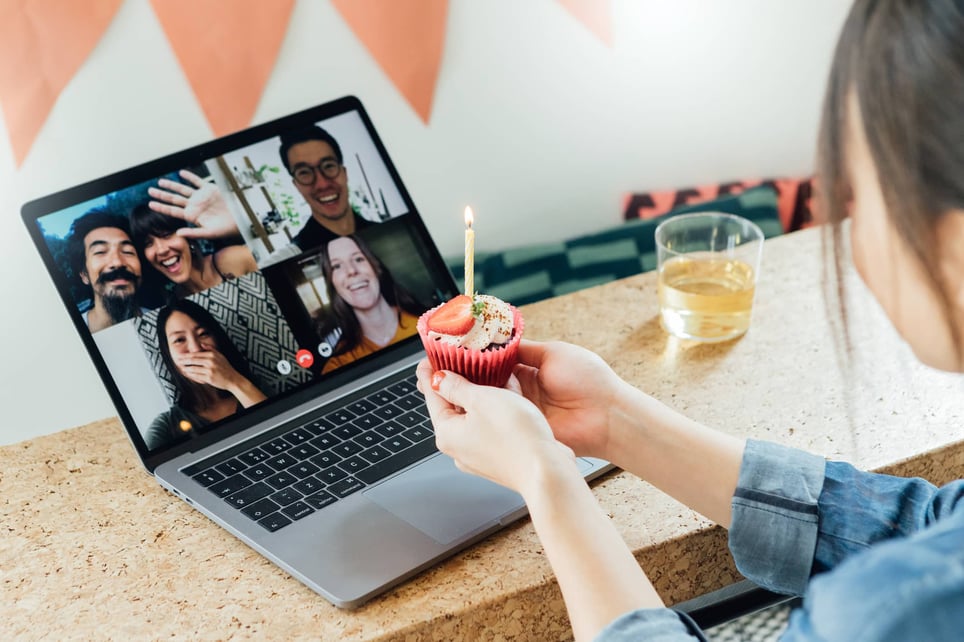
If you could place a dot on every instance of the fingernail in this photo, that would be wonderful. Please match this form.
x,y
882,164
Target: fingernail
x,y
437,380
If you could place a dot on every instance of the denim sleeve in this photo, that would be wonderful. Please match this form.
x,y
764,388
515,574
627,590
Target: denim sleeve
x,y
894,546
774,527
859,509
795,515
653,625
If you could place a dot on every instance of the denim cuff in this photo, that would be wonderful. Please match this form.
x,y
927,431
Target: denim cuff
x,y
652,625
773,534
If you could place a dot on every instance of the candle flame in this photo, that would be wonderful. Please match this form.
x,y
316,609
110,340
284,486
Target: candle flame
x,y
469,217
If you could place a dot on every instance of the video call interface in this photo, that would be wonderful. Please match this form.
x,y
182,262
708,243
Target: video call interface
x,y
220,287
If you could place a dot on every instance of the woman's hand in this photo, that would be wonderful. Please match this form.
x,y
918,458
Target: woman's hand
x,y
574,389
211,368
491,432
597,414
208,367
498,434
202,205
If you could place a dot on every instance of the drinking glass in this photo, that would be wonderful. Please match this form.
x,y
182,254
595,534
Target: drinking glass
x,y
708,266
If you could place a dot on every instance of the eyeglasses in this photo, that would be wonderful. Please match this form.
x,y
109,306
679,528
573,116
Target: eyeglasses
x,y
305,174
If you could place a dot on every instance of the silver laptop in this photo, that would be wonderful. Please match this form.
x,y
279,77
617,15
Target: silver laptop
x,y
217,310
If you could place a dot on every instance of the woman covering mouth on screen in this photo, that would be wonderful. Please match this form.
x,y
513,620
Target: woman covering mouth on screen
x,y
212,377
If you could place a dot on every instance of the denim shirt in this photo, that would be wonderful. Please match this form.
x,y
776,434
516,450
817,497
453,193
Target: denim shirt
x,y
877,558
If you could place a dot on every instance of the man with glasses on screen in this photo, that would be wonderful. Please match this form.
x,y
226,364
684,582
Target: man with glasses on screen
x,y
314,160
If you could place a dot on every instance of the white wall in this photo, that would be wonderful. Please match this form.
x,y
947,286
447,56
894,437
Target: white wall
x,y
536,124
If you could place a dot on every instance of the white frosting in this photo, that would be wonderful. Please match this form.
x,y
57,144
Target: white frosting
x,y
494,325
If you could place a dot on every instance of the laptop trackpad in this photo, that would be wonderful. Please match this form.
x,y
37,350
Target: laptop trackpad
x,y
442,501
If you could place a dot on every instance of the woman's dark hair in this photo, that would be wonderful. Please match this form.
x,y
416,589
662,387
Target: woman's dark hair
x,y
902,61
193,395
343,317
146,222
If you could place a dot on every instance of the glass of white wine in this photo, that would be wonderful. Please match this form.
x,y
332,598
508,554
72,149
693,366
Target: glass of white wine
x,y
708,265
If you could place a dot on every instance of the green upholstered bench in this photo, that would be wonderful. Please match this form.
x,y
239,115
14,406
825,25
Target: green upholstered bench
x,y
526,274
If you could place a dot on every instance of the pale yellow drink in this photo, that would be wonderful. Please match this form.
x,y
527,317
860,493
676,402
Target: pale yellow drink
x,y
705,297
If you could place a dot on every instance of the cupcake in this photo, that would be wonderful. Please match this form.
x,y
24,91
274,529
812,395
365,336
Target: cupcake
x,y
477,337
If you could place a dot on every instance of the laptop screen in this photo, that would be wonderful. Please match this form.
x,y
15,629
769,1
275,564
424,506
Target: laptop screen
x,y
242,276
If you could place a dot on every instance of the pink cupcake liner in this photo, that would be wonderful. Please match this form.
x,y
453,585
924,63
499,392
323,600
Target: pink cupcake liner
x,y
489,367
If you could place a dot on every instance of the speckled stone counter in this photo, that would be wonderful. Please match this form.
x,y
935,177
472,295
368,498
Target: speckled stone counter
x,y
93,548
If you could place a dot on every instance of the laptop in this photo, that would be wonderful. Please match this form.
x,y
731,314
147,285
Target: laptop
x,y
217,311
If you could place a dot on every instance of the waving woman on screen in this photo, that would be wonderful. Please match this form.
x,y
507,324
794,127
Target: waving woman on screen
x,y
179,259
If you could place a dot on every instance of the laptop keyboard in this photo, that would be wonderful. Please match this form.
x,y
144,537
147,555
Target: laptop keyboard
x,y
289,473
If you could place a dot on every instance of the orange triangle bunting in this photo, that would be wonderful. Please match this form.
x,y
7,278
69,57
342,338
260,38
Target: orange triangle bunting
x,y
227,49
42,45
406,39
596,15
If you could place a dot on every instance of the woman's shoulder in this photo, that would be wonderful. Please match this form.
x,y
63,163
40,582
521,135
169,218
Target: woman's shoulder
x,y
172,425
234,261
164,418
161,430
175,415
406,319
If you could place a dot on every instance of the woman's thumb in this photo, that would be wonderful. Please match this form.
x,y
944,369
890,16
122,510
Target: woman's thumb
x,y
454,388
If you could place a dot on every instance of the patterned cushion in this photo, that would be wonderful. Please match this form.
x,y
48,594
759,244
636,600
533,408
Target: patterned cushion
x,y
534,272
793,199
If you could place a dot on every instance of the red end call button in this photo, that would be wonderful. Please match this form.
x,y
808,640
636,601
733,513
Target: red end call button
x,y
304,358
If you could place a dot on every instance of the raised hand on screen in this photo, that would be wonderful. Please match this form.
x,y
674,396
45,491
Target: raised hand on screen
x,y
199,202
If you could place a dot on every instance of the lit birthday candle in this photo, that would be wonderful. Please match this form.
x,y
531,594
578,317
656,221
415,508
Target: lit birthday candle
x,y
469,252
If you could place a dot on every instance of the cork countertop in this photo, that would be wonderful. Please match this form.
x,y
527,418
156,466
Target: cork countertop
x,y
93,548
